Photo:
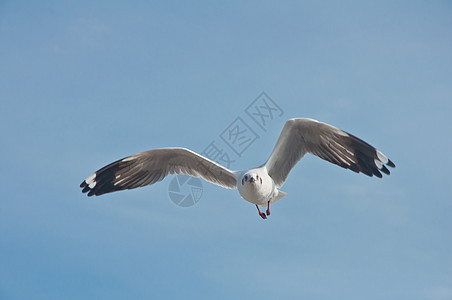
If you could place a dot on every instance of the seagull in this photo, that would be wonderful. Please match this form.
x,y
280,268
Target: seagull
x,y
260,186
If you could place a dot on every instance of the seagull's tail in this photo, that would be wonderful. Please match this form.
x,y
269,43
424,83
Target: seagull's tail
x,y
280,195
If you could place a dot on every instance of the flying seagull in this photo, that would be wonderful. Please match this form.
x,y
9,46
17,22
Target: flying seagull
x,y
259,186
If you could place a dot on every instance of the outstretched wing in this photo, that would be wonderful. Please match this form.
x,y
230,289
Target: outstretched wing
x,y
301,136
148,167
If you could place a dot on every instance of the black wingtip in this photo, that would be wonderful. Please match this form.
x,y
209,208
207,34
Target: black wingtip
x,y
86,189
377,173
390,164
102,181
385,170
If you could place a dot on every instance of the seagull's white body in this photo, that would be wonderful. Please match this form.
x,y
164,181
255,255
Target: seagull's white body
x,y
259,186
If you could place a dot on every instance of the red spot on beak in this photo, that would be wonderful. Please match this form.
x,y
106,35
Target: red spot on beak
x,y
252,180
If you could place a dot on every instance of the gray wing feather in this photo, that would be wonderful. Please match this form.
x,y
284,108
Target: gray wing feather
x,y
151,166
301,136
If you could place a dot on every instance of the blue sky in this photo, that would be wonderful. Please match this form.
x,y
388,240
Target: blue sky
x,y
85,83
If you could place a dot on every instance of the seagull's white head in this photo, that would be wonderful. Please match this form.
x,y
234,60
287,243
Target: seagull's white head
x,y
251,178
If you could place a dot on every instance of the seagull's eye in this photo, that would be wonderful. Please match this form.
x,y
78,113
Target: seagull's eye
x,y
246,177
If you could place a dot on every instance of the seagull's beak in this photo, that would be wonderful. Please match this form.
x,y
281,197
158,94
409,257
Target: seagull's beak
x,y
252,179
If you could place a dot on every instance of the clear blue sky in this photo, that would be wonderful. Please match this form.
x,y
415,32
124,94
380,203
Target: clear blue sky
x,y
83,84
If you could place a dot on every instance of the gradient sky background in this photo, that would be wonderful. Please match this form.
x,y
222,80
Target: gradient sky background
x,y
83,84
